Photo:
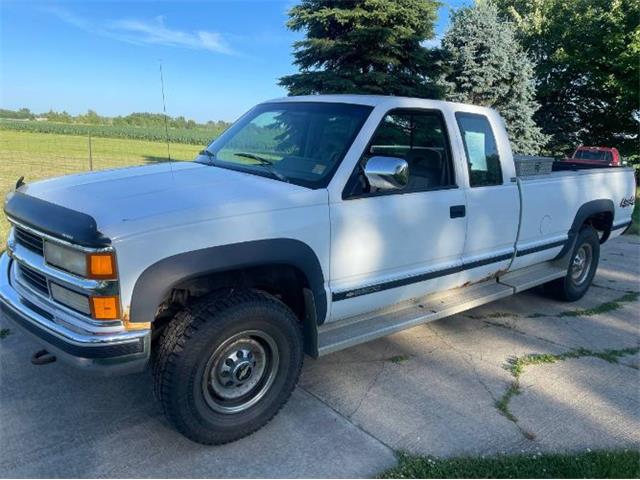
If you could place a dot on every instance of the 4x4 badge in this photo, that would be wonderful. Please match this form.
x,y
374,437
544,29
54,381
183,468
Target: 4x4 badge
x,y
628,202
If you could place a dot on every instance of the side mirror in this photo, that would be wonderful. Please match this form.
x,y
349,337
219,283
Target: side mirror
x,y
387,173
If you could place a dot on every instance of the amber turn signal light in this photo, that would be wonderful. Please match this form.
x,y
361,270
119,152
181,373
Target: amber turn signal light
x,y
101,265
105,308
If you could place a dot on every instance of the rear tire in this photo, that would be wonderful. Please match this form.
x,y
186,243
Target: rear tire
x,y
582,268
227,364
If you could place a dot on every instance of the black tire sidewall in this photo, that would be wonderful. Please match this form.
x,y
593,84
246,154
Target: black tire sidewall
x,y
208,426
572,291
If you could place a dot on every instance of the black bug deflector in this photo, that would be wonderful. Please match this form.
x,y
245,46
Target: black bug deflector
x,y
55,220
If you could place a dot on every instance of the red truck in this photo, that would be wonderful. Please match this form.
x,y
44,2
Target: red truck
x,y
595,156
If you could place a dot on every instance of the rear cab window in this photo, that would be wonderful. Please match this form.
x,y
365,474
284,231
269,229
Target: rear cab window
x,y
481,150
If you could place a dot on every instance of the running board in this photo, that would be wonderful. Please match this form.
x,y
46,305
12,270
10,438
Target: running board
x,y
352,331
532,276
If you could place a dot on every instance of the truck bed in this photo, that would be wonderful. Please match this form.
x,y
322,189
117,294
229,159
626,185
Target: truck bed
x,y
549,204
571,170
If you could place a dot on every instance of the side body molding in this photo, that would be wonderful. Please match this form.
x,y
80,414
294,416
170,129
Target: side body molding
x,y
585,211
158,279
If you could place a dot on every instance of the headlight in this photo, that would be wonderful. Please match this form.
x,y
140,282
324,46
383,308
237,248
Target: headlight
x,y
100,265
65,258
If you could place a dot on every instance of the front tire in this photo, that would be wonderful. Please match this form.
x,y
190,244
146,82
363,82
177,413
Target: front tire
x,y
227,364
582,268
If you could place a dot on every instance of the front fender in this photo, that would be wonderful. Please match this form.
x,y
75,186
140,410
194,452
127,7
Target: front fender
x,y
157,280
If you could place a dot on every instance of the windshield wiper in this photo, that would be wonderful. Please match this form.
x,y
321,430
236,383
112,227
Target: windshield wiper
x,y
253,156
265,162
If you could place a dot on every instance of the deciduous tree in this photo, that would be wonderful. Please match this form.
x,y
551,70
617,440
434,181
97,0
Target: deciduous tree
x,y
587,55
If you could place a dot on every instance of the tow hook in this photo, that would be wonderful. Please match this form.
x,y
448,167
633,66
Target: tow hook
x,y
42,357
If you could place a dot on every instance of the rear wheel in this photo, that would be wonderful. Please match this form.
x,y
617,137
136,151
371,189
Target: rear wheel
x,y
227,364
582,268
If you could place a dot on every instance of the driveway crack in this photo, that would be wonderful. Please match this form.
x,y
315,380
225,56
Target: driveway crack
x,y
468,359
372,383
347,419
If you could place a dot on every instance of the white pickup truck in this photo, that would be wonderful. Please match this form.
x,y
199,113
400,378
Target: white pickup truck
x,y
311,225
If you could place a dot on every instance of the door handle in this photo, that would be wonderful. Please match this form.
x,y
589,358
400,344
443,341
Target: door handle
x,y
457,211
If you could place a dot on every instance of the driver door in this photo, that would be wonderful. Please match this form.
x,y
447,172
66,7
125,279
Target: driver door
x,y
392,245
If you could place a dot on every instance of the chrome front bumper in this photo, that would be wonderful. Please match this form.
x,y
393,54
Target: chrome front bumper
x,y
103,352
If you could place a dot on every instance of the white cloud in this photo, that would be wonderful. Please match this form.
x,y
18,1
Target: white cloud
x,y
157,33
69,18
148,32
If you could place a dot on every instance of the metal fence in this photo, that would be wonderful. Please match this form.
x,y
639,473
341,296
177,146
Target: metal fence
x,y
44,154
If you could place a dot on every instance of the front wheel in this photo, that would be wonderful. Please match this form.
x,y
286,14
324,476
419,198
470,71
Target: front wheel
x,y
227,364
582,268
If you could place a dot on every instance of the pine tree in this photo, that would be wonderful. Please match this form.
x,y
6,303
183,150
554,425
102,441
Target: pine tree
x,y
484,64
362,46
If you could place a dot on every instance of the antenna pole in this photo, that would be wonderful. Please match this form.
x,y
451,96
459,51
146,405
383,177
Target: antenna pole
x,y
164,111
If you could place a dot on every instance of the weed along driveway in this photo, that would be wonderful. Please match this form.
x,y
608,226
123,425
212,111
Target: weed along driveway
x,y
522,374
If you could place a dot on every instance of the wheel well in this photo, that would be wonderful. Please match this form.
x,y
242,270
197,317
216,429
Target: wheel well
x,y
602,222
285,282
596,213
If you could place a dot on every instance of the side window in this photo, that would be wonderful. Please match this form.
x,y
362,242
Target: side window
x,y
480,147
420,138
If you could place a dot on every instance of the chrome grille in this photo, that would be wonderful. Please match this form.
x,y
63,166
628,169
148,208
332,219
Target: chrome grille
x,y
34,279
29,240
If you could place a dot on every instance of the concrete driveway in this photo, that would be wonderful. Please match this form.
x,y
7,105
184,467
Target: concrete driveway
x,y
431,390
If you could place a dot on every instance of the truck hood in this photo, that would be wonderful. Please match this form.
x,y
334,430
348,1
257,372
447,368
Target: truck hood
x,y
123,201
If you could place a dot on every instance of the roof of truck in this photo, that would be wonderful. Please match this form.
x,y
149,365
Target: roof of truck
x,y
389,101
342,98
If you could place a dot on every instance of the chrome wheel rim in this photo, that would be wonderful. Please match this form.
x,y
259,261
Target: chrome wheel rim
x,y
240,371
581,264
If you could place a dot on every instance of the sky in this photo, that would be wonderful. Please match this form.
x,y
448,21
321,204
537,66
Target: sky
x,y
219,57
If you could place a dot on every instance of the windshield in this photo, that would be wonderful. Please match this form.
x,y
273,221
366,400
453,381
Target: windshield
x,y
298,142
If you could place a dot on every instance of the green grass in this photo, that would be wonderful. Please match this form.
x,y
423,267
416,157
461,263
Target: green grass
x,y
635,216
516,366
398,359
503,402
493,315
42,155
600,464
603,307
